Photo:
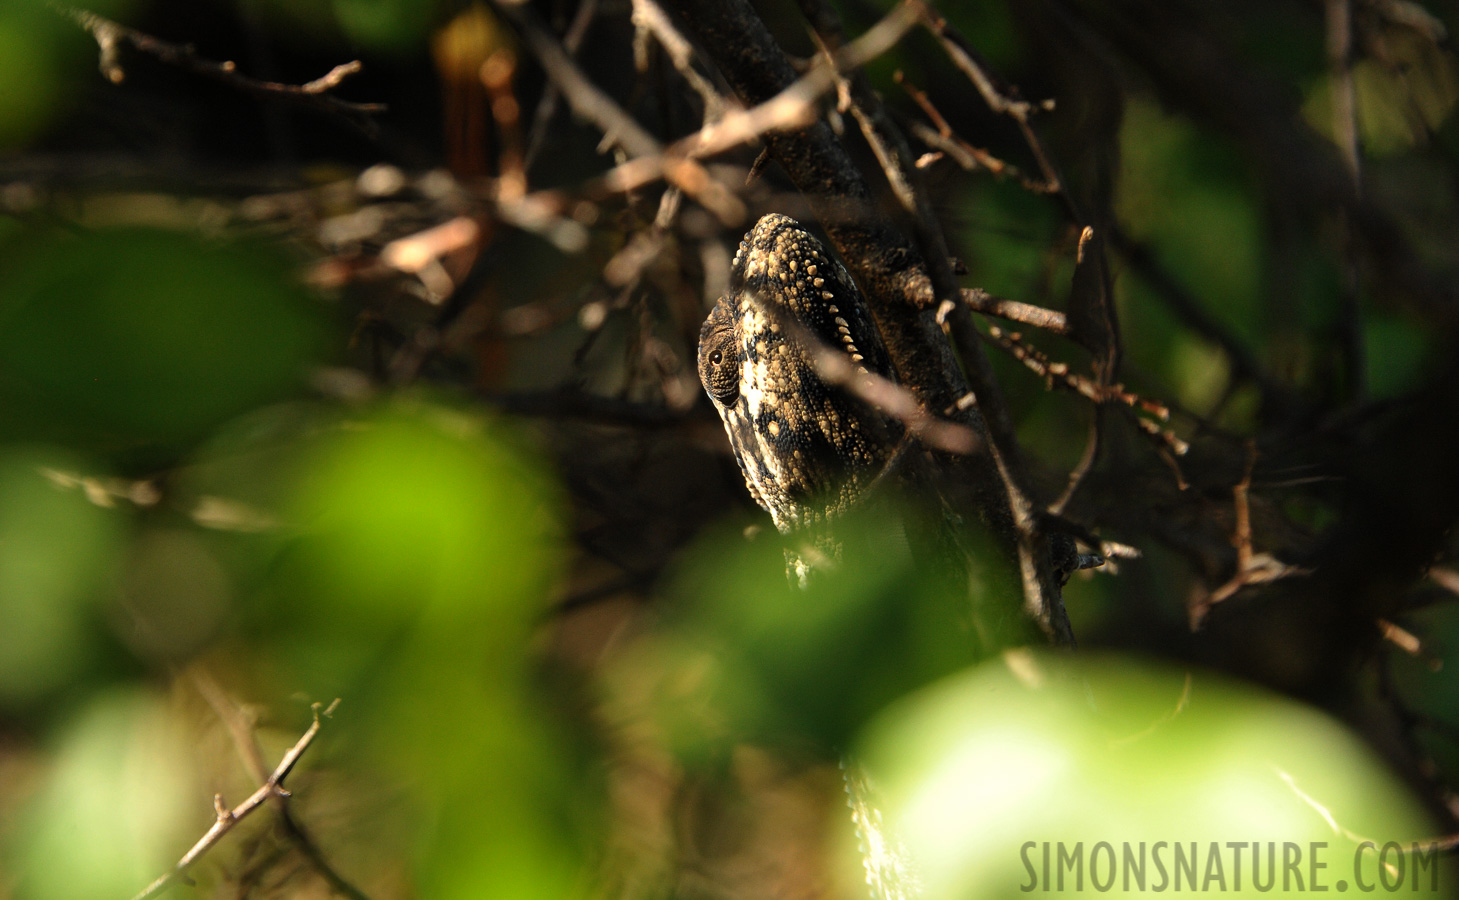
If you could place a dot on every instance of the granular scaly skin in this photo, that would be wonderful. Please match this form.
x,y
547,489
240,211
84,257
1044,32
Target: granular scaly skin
x,y
808,449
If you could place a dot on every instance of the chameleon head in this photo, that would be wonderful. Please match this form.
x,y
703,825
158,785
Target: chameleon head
x,y
807,448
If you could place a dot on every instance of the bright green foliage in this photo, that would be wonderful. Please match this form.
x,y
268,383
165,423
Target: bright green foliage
x,y
56,550
425,511
118,802
1040,748
791,666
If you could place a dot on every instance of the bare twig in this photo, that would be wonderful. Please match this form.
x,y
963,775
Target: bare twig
x,y
227,818
1059,373
547,106
240,728
1445,577
1049,320
111,35
617,125
792,107
1251,567
835,367
966,155
962,54
651,17
581,406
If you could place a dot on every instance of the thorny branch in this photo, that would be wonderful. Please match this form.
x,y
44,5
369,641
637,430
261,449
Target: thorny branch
x,y
111,35
240,725
273,787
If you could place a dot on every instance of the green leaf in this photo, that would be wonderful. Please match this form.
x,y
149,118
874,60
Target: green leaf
x,y
983,768
119,806
128,338
56,549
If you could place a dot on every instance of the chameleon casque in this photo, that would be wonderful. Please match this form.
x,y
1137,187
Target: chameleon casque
x,y
808,449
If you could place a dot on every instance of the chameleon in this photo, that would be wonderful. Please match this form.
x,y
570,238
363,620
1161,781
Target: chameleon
x,y
809,450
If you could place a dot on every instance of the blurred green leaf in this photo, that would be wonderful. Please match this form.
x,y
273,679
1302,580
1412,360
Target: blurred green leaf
x,y
422,512
1398,353
1400,99
385,24
429,544
774,662
118,807
123,338
44,57
1058,749
56,551
30,70
1182,194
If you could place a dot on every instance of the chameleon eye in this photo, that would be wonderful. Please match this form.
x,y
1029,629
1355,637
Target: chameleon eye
x,y
720,370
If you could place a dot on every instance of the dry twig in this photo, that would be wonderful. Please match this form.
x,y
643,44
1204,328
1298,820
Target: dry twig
x,y
227,818
240,725
111,35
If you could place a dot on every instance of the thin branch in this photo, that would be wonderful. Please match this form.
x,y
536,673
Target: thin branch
x,y
1059,373
582,406
1085,465
649,16
964,153
617,125
1001,101
240,728
1251,568
1052,321
111,35
835,367
547,106
791,108
227,818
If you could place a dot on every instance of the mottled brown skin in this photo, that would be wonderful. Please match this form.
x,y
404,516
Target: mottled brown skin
x,y
808,449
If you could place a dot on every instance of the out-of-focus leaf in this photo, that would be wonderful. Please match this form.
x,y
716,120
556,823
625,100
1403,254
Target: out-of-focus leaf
x,y
790,664
983,768
30,70
1399,100
1181,196
1397,353
385,24
132,337
43,57
426,545
175,594
509,816
428,514
55,552
118,807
